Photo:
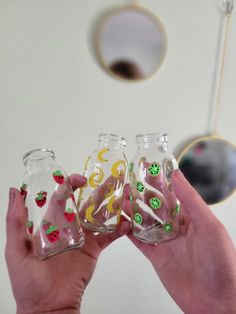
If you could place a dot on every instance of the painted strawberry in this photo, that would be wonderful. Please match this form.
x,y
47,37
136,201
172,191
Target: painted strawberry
x,y
46,224
41,199
23,191
58,176
69,214
30,227
52,234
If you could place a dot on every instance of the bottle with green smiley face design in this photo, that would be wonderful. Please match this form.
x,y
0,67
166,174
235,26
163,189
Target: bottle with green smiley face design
x,y
155,208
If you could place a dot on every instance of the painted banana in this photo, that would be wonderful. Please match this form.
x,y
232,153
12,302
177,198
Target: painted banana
x,y
86,163
100,154
108,194
110,204
115,171
96,178
88,213
118,215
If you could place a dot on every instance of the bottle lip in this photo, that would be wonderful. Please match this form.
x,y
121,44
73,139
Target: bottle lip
x,y
112,137
152,137
37,154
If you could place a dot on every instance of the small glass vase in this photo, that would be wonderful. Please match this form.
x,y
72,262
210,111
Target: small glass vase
x,y
155,208
99,201
53,224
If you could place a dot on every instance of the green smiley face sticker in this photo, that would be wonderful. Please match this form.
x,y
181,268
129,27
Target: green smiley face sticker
x,y
154,169
155,202
177,208
138,218
168,227
140,186
131,167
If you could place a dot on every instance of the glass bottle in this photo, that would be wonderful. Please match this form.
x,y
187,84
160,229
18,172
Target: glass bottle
x,y
155,208
100,200
53,224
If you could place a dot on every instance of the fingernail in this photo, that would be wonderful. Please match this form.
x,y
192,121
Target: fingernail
x,y
11,197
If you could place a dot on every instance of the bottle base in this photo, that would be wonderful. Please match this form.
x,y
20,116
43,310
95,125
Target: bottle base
x,y
48,252
98,229
154,236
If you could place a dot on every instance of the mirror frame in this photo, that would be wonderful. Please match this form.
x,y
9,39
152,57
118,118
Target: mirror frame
x,y
103,22
205,138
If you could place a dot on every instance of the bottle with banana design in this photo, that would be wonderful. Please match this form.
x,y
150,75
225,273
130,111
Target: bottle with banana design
x,y
155,208
99,201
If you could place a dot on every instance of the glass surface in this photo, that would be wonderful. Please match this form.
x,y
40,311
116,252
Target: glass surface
x,y
53,224
100,200
209,164
131,43
155,214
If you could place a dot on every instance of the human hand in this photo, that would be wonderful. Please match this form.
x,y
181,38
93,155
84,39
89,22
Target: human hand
x,y
198,268
57,284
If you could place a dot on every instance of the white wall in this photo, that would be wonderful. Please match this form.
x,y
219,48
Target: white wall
x,y
54,94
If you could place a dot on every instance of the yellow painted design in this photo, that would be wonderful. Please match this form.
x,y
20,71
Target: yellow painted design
x,y
81,194
118,215
96,178
110,204
100,154
114,169
108,194
88,213
86,163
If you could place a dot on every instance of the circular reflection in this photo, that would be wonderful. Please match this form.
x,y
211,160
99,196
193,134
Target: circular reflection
x,y
209,164
131,43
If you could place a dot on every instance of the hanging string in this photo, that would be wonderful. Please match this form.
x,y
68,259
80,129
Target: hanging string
x,y
229,5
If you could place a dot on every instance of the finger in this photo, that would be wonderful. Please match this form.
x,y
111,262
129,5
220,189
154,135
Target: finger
x,y
191,201
16,220
145,248
127,207
127,191
77,181
106,239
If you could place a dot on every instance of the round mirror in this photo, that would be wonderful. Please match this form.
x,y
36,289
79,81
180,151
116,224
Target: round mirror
x,y
131,43
209,164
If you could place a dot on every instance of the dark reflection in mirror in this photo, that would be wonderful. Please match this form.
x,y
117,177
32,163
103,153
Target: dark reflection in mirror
x,y
126,69
210,166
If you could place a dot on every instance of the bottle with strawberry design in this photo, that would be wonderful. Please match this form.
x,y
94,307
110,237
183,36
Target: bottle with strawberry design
x,y
155,214
53,224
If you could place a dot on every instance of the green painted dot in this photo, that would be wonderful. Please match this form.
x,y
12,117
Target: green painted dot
x,y
155,202
154,169
131,199
140,186
131,167
177,208
168,227
138,218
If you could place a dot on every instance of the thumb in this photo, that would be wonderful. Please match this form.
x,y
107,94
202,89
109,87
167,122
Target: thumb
x,y
190,200
106,239
16,224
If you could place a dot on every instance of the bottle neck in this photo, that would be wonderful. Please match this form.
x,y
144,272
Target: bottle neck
x,y
111,145
38,159
111,141
161,146
152,141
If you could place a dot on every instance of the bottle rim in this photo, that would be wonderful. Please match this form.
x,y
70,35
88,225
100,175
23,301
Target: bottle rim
x,y
34,154
152,137
112,137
